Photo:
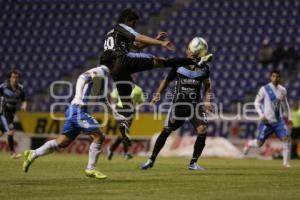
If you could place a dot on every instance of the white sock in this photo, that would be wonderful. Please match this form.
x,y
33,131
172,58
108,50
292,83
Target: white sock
x,y
94,153
45,149
286,153
253,143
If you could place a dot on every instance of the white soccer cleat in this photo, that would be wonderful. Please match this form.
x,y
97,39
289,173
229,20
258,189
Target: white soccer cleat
x,y
287,166
16,155
205,59
246,148
195,167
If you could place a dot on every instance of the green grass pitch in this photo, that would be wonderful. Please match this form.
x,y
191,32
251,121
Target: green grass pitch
x,y
61,176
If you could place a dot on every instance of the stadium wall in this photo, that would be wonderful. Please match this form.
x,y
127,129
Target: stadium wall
x,y
146,125
39,127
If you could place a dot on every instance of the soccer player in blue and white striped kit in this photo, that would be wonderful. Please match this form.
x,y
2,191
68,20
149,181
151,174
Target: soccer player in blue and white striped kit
x,y
88,88
270,103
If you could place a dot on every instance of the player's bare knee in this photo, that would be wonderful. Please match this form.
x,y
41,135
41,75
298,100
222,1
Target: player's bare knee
x,y
63,141
202,129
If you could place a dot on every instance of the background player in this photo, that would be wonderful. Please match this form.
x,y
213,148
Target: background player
x,y
269,103
189,81
11,94
90,85
137,97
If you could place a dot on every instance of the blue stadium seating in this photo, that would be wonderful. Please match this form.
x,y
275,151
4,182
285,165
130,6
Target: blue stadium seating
x,y
47,39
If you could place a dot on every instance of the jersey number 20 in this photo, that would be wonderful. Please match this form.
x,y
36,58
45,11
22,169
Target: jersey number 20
x,y
109,43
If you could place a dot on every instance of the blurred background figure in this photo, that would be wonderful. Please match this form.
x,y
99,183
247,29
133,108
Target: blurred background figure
x,y
295,129
291,57
278,55
11,95
137,98
265,53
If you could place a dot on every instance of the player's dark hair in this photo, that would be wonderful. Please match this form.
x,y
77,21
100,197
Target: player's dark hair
x,y
275,71
107,58
127,15
13,71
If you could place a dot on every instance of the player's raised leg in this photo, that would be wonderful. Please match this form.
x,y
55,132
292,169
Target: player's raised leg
x,y
49,147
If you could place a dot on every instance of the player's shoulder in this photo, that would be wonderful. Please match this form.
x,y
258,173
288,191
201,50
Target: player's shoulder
x,y
110,31
104,69
282,88
2,85
124,26
21,86
99,70
263,88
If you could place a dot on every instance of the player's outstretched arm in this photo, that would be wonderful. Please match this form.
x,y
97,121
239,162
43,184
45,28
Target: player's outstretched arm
x,y
139,45
143,39
163,85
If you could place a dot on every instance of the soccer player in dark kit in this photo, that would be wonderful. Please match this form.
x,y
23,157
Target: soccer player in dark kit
x,y
185,106
122,39
11,94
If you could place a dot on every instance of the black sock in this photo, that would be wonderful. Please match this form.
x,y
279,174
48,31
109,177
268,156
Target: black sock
x,y
160,142
126,147
116,143
10,139
198,147
177,62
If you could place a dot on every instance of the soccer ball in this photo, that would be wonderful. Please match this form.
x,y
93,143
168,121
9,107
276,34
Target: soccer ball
x,y
198,47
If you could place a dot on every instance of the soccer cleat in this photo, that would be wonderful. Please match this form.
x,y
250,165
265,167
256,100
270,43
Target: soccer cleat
x,y
147,165
109,154
246,148
128,156
27,160
205,59
124,132
195,167
287,166
16,155
94,173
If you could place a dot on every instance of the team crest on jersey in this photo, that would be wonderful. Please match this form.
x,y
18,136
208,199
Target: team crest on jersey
x,y
84,123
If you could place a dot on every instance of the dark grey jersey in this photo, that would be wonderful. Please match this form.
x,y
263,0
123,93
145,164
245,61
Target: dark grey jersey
x,y
188,83
10,98
120,39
